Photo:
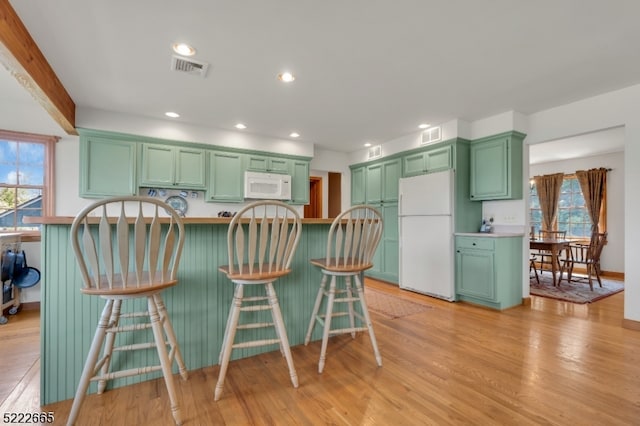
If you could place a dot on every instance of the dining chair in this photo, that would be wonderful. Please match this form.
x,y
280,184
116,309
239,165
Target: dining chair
x,y
352,241
133,254
589,256
544,257
261,240
532,267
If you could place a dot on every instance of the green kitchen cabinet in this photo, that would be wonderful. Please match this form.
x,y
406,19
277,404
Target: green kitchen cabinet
x,y
168,166
385,261
263,163
431,160
489,270
358,185
226,177
107,167
382,181
496,167
299,182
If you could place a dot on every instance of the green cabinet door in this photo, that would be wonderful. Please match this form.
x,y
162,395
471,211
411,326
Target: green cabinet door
x,y
190,168
263,163
439,159
157,165
374,179
107,167
299,182
169,166
474,273
358,185
414,164
391,173
496,167
385,260
226,177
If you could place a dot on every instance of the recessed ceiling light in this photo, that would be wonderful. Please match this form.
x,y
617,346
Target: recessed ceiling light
x,y
286,77
172,114
368,144
294,135
424,126
184,49
240,126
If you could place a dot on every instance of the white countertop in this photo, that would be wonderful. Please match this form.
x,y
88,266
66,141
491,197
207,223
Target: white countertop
x,y
489,234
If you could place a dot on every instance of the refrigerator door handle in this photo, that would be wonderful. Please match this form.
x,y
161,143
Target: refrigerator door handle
x,y
400,204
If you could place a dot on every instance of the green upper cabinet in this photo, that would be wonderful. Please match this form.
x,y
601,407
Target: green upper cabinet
x,y
226,177
168,166
382,181
263,163
358,185
107,167
299,182
496,167
428,161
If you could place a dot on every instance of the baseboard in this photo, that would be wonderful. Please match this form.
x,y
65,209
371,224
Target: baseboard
x,y
30,306
613,275
631,324
526,301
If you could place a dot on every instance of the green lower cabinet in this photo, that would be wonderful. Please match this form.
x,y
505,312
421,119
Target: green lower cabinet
x,y
489,270
385,260
226,177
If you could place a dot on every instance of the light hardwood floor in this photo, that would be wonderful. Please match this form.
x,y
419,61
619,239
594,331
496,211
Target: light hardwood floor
x,y
548,363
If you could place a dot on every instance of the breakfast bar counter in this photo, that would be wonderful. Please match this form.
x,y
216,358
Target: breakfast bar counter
x,y
198,305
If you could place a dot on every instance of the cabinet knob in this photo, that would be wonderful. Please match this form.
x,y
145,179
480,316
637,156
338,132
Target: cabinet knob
x,y
473,244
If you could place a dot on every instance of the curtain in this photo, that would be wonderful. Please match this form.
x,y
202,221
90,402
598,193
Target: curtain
x,y
548,187
593,184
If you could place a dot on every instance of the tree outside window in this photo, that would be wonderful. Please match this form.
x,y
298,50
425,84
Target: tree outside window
x,y
24,179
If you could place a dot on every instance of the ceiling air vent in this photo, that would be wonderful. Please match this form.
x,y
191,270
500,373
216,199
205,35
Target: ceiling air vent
x,y
375,151
431,135
189,66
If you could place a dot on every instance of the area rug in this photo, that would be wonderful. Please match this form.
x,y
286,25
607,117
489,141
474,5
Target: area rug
x,y
575,292
391,306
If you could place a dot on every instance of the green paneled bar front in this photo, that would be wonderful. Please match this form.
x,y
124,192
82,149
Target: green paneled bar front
x,y
198,305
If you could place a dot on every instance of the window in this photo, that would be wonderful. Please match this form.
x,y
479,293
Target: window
x,y
572,216
26,170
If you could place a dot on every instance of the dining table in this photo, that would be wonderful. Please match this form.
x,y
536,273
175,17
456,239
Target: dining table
x,y
554,247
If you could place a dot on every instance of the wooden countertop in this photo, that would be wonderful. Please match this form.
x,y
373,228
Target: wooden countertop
x,y
67,220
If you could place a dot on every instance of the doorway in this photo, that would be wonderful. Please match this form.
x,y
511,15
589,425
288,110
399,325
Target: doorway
x,y
314,208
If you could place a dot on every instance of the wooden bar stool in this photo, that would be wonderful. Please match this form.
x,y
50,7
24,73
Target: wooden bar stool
x,y
118,265
353,238
262,239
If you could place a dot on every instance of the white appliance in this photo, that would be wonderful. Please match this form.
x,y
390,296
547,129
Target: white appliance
x,y
425,215
267,186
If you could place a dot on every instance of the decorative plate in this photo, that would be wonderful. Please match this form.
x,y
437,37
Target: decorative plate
x,y
178,203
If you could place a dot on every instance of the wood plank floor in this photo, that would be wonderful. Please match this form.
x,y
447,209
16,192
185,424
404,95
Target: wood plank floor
x,y
550,363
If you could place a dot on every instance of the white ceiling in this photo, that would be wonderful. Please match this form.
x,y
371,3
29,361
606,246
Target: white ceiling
x,y
596,143
367,70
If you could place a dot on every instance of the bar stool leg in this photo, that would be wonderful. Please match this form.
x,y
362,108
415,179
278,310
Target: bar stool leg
x,y
165,362
108,344
90,363
281,332
316,308
171,335
365,312
327,324
352,322
228,339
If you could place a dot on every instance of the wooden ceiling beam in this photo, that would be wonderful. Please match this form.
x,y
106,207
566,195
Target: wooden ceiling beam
x,y
24,60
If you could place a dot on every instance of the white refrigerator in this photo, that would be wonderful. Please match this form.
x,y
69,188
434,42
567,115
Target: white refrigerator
x,y
425,214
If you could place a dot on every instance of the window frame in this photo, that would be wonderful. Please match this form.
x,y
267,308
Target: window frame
x,y
48,196
602,222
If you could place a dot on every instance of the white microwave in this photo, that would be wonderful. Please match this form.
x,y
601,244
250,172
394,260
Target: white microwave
x,y
267,186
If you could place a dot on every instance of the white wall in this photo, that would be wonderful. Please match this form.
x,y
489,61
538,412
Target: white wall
x,y
613,254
